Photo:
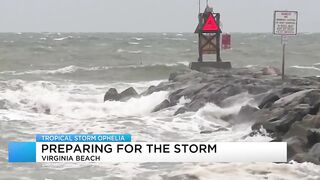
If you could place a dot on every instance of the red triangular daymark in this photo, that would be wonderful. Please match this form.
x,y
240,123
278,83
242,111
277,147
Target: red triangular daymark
x,y
211,24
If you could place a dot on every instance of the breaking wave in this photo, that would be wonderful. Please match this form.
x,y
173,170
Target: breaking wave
x,y
73,68
71,102
306,67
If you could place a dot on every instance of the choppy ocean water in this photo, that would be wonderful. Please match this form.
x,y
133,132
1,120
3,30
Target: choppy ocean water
x,y
70,72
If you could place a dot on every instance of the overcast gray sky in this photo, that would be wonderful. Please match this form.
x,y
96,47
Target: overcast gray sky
x,y
148,15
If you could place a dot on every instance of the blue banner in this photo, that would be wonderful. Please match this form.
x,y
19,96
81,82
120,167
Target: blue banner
x,y
21,152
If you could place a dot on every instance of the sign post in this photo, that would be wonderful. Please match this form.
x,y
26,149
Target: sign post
x,y
285,23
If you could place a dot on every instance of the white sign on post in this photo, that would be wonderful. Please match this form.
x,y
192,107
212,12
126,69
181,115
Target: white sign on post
x,y
285,23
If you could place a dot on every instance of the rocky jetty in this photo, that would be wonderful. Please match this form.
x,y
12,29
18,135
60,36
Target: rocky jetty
x,y
288,110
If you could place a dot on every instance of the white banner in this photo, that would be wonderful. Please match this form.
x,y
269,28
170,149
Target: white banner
x,y
161,152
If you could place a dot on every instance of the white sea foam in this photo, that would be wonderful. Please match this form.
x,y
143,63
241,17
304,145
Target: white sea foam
x,y
253,171
250,66
135,52
306,67
120,50
73,68
62,38
133,43
130,52
64,70
63,101
137,38
176,39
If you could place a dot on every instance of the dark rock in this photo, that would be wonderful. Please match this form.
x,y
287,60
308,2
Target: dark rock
x,y
128,94
176,95
305,157
43,109
301,81
181,111
213,131
257,88
290,90
47,111
163,105
282,125
266,115
302,109
315,150
269,100
293,99
313,136
195,105
206,132
271,71
223,93
297,130
149,91
172,76
295,145
112,95
311,121
315,109
246,113
164,86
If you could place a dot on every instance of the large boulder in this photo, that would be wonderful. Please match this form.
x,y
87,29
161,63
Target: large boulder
x,y
315,150
246,113
128,94
281,126
163,105
305,157
311,121
290,90
296,145
313,136
271,71
164,86
112,95
181,111
269,100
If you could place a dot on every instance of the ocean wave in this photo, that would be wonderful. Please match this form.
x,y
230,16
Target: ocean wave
x,y
48,98
137,38
130,52
306,67
176,39
211,117
73,68
135,52
62,38
251,66
251,171
133,43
